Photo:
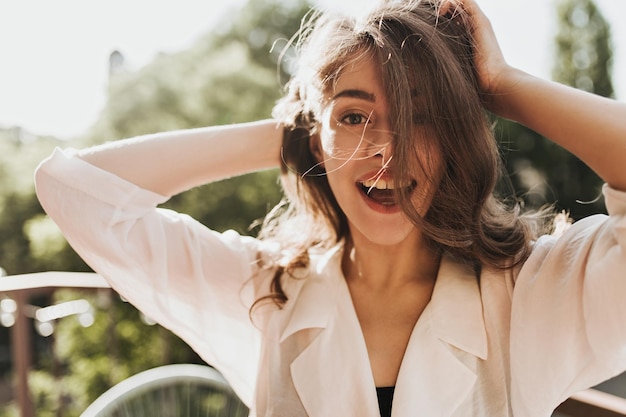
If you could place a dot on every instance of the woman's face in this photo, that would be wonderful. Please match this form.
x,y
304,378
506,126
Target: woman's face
x,y
356,147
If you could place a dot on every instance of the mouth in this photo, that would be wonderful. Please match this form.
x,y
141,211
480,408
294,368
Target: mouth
x,y
382,192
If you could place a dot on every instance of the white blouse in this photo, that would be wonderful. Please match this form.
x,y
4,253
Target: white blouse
x,y
509,343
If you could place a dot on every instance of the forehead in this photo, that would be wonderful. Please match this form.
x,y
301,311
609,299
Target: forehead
x,y
360,78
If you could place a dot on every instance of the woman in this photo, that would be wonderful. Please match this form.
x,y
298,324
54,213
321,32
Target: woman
x,y
394,275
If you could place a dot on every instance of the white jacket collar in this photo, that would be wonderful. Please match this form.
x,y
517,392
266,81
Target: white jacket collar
x,y
332,370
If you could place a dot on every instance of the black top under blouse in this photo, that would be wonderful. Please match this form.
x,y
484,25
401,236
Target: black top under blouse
x,y
385,398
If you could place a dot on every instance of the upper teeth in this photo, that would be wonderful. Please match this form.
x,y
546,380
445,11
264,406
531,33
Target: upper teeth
x,y
379,184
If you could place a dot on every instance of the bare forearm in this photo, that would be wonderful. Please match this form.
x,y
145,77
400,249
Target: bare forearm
x,y
591,127
169,163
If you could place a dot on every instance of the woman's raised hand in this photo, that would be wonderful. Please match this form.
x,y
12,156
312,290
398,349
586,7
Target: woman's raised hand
x,y
589,126
495,76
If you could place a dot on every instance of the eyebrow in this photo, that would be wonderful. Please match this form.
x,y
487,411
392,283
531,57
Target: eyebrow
x,y
355,93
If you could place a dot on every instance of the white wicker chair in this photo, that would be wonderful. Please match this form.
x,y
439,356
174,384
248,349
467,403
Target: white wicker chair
x,y
183,390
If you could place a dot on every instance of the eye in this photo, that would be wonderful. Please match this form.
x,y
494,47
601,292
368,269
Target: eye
x,y
354,119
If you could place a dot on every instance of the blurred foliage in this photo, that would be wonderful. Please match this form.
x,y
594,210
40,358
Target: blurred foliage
x,y
20,153
541,171
85,362
584,43
230,75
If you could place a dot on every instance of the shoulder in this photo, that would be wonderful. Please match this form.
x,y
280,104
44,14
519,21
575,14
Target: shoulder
x,y
554,258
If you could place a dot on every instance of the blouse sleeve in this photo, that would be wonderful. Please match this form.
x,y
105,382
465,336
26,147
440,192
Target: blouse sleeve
x,y
198,283
568,322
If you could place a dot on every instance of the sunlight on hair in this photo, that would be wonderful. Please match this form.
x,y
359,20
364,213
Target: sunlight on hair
x,y
347,7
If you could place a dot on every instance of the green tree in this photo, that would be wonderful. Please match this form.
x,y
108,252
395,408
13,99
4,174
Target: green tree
x,y
84,362
541,171
228,76
20,153
584,58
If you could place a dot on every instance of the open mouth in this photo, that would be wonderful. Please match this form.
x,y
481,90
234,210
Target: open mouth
x,y
383,191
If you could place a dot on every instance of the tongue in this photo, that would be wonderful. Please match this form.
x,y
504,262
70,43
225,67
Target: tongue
x,y
385,197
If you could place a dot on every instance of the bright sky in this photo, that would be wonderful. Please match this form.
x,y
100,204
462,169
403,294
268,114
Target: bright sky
x,y
54,63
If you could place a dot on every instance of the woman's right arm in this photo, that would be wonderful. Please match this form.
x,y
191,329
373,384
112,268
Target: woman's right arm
x,y
190,279
172,162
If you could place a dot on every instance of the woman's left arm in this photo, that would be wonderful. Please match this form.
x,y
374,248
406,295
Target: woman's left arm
x,y
591,127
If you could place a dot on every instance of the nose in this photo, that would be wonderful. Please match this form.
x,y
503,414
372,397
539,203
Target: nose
x,y
382,148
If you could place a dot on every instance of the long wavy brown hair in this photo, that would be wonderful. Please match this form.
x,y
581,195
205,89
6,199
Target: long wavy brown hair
x,y
418,50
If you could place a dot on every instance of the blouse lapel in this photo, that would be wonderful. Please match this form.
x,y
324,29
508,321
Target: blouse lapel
x,y
437,374
331,373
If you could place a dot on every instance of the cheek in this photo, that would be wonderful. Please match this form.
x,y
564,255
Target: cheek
x,y
339,142
344,144
334,147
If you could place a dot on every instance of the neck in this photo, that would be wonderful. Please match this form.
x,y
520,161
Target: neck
x,y
387,266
